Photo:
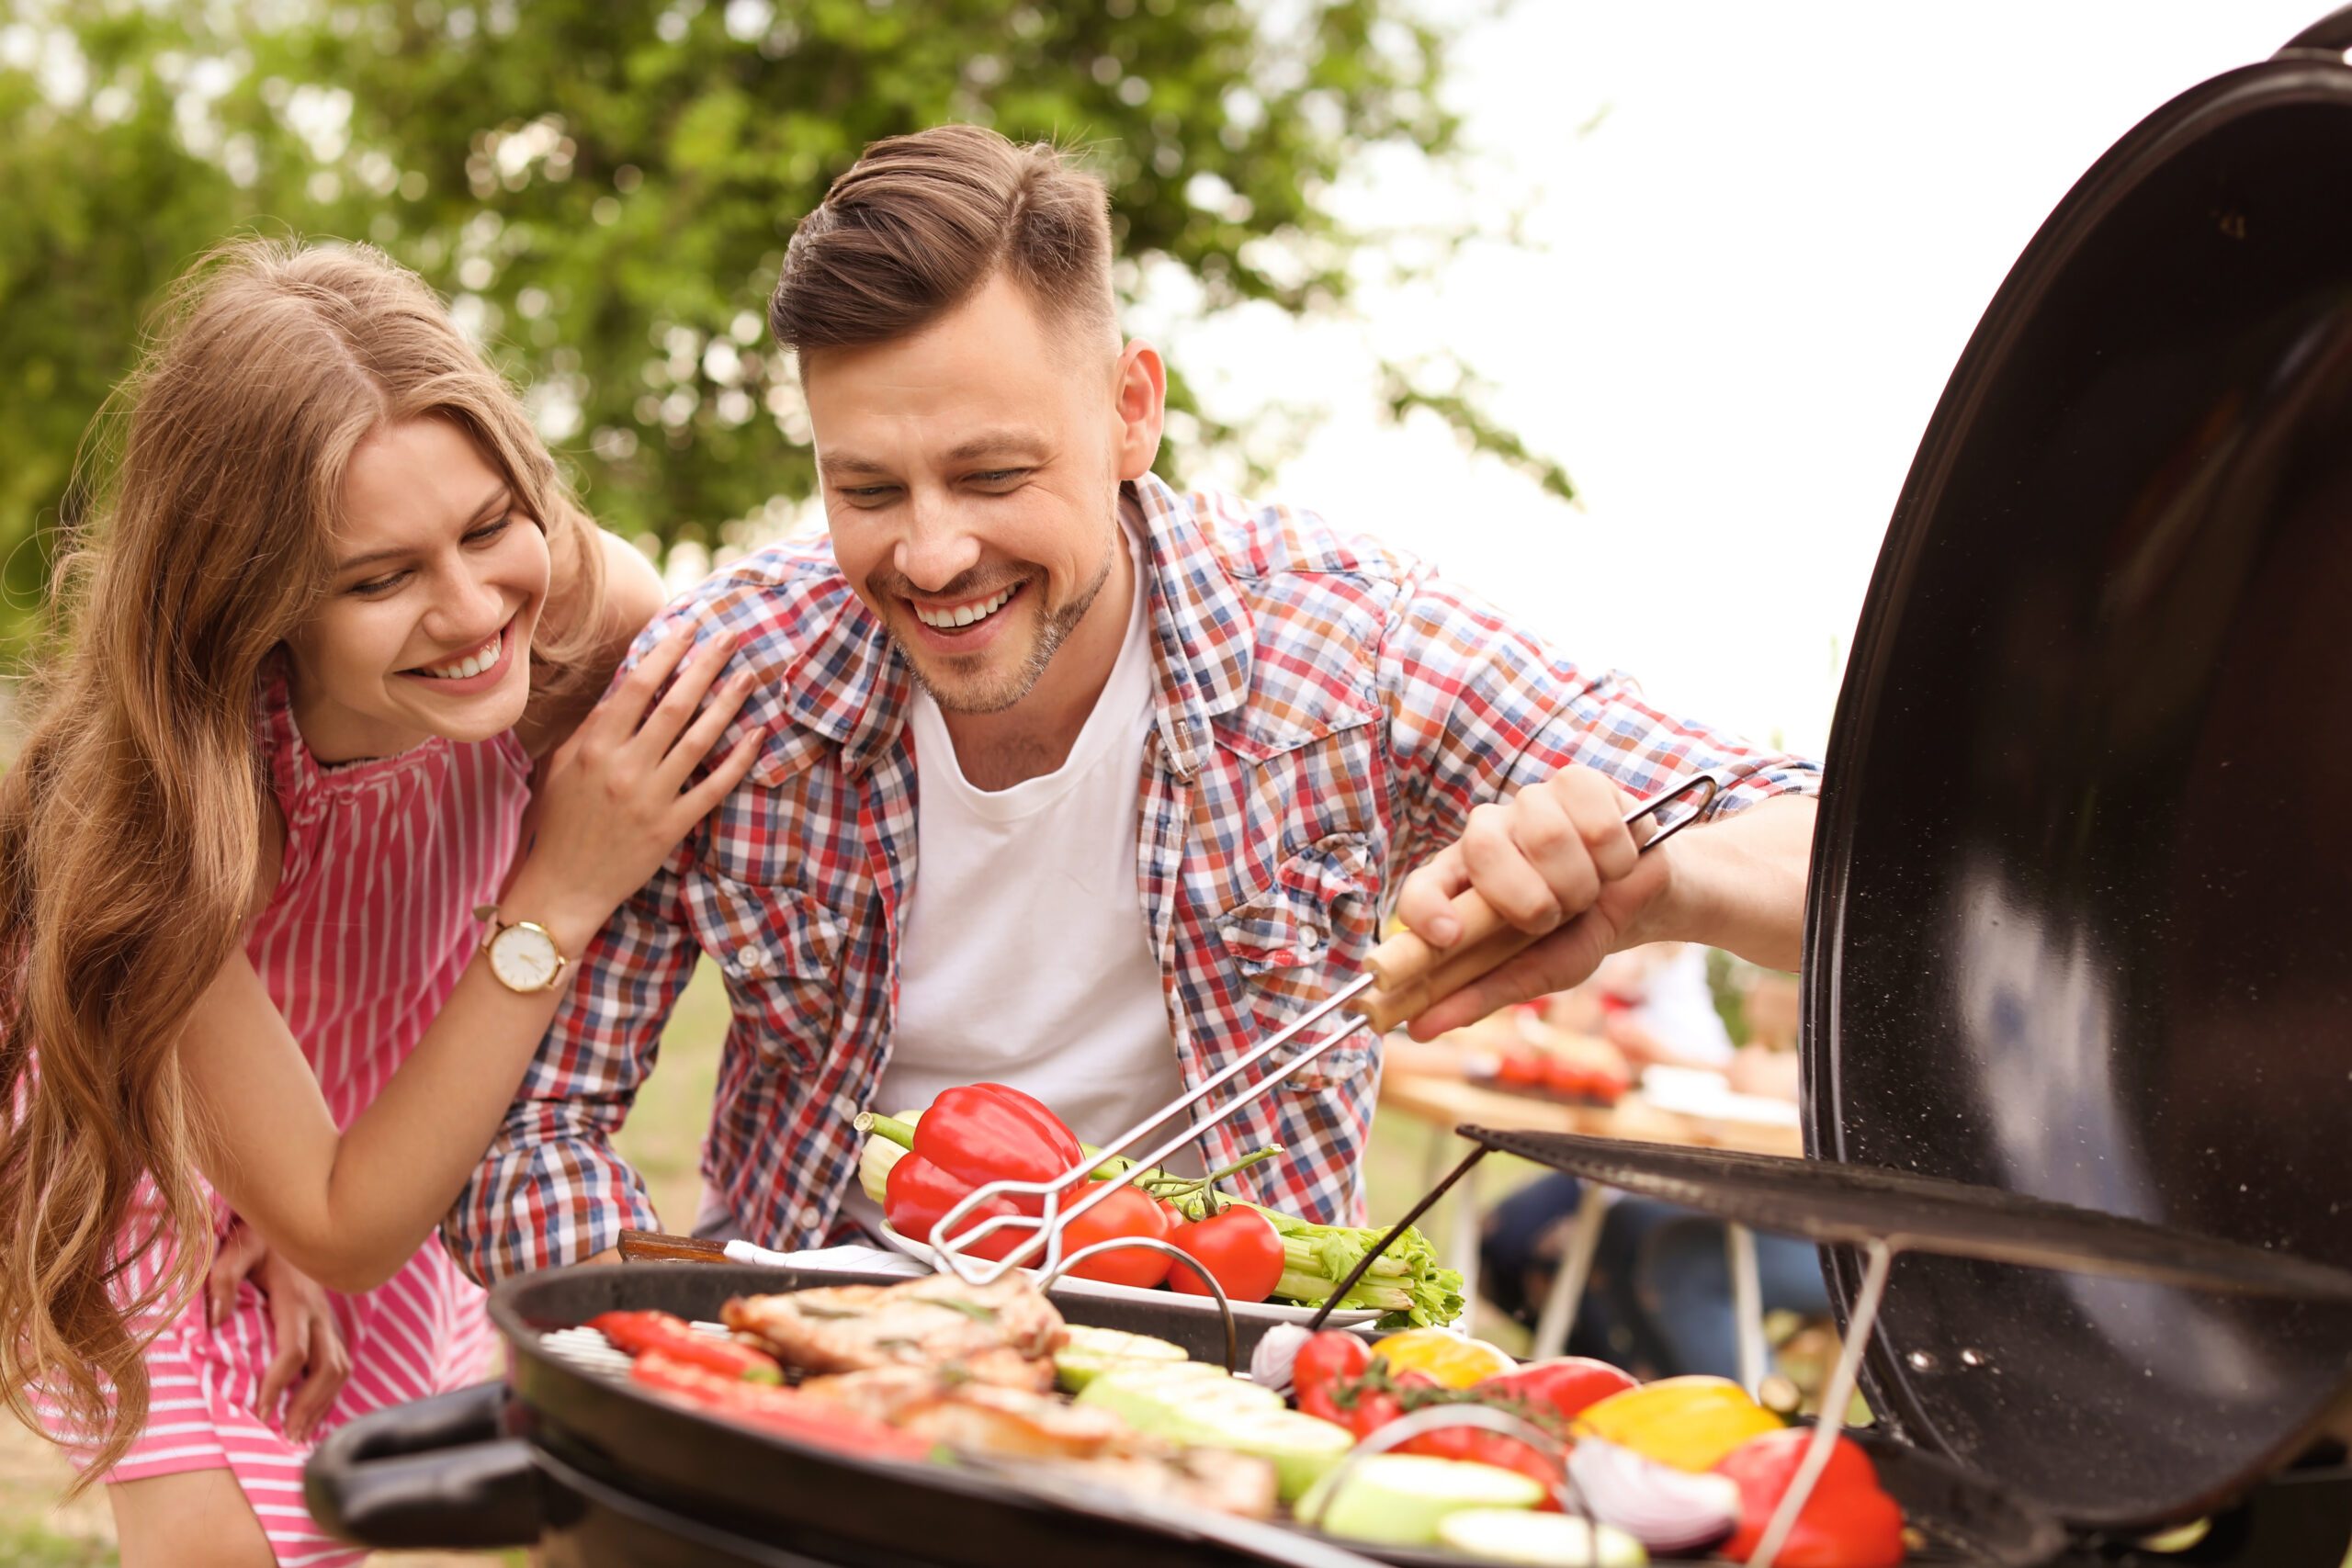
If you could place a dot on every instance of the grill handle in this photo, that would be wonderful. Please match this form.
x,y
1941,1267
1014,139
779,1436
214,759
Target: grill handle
x,y
437,1473
2331,34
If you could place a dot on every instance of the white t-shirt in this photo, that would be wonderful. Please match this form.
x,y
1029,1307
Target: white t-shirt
x,y
1025,957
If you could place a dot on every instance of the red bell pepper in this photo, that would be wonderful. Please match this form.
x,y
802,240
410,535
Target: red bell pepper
x,y
917,1194
1565,1384
640,1332
971,1137
782,1410
1478,1446
1846,1523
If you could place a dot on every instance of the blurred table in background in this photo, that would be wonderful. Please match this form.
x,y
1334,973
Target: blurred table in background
x,y
1444,1101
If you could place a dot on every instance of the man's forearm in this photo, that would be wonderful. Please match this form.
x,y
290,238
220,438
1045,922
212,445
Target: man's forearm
x,y
1738,884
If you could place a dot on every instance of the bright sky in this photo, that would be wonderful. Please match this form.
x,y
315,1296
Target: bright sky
x,y
1749,283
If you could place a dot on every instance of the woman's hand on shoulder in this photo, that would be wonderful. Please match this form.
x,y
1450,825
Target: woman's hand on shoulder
x,y
615,797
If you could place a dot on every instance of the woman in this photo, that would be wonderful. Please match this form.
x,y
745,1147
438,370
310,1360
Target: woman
x,y
342,631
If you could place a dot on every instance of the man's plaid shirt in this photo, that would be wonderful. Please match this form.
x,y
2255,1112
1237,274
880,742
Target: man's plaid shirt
x,y
1327,713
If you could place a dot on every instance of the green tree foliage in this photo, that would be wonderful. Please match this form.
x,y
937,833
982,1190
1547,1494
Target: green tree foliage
x,y
603,188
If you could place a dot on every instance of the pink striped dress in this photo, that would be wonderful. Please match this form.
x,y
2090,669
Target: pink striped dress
x,y
370,926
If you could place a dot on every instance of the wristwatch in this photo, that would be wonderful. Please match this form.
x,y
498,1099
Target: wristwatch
x,y
523,954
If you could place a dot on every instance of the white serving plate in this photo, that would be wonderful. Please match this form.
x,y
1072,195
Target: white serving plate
x,y
1243,1312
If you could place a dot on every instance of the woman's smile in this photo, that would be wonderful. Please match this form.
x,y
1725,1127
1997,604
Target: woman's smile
x,y
478,669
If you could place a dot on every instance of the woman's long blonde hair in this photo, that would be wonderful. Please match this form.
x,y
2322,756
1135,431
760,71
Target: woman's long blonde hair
x,y
130,827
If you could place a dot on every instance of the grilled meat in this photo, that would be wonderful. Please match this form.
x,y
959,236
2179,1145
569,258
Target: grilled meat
x,y
884,1393
1015,1423
888,1393
1206,1480
926,1322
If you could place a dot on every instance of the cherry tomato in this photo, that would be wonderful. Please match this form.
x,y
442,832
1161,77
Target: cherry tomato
x,y
1326,1361
1241,1247
1330,1357
1375,1408
1125,1213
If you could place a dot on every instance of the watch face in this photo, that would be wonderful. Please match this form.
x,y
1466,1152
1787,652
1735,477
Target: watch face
x,y
524,959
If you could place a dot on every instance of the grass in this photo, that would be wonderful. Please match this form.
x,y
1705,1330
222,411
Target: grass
x,y
35,1546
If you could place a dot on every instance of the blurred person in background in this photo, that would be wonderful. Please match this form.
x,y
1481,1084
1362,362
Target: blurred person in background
x,y
1653,1003
314,814
1658,1301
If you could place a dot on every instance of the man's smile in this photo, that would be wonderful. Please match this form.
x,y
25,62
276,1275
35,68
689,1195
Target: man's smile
x,y
970,613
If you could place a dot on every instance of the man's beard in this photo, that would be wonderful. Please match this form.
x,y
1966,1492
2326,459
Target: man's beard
x,y
979,693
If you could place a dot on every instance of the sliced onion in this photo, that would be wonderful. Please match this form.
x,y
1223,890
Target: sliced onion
x,y
1664,1508
1271,1362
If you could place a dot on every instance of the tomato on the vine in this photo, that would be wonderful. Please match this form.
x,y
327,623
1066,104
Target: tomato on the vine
x,y
1240,1246
1125,1213
1328,1361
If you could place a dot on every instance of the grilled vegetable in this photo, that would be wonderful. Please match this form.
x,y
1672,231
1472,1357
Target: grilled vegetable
x,y
1690,1422
1541,1540
1846,1523
1094,1351
1301,1448
1222,1412
1399,1499
1150,1398
1448,1360
639,1332
1480,1446
1665,1509
1566,1385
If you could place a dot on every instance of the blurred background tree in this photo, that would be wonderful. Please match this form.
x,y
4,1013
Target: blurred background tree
x,y
602,189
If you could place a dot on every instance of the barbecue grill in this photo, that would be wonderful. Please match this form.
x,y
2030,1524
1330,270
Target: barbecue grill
x,y
2077,941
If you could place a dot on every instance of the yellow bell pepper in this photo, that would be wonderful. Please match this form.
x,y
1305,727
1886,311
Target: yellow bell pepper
x,y
1688,1423
1453,1361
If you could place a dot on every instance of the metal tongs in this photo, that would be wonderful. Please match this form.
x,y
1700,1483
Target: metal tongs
x,y
1402,978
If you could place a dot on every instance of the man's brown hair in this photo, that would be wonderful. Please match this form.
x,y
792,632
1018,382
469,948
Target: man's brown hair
x,y
922,221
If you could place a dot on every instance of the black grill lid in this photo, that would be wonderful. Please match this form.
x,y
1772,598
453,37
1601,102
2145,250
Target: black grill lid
x,y
1835,1203
2081,915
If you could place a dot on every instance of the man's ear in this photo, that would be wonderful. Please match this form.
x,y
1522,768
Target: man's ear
x,y
1139,404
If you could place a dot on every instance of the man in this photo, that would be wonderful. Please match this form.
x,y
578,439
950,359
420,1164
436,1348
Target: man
x,y
1075,783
